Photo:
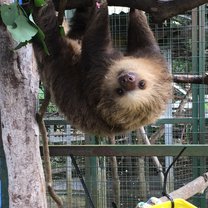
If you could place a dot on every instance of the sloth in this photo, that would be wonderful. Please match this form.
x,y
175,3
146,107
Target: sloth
x,y
99,89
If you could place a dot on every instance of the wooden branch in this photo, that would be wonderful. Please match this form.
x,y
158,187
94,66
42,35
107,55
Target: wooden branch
x,y
160,132
193,79
192,188
160,10
46,153
115,176
182,104
141,133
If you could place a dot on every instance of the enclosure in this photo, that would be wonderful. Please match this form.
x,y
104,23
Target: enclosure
x,y
133,176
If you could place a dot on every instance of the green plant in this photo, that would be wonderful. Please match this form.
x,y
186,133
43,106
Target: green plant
x,y
21,25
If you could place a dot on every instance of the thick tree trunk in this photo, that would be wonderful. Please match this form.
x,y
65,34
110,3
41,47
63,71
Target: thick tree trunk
x,y
160,10
20,135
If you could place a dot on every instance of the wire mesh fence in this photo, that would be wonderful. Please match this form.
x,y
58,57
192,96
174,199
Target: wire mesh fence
x,y
138,177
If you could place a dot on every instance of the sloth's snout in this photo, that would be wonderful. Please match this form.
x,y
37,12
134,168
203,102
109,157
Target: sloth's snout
x,y
128,80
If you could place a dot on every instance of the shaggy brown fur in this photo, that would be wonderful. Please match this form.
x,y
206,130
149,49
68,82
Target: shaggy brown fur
x,y
98,89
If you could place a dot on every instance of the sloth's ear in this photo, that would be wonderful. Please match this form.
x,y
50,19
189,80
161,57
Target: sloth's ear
x,y
140,37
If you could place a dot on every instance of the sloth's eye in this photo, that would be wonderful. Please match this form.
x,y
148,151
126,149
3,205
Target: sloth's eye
x,y
119,91
142,84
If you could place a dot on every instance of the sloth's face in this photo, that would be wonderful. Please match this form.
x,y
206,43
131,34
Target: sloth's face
x,y
132,80
134,91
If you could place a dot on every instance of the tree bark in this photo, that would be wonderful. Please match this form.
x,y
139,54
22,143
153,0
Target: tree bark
x,y
20,135
115,177
193,79
160,10
197,186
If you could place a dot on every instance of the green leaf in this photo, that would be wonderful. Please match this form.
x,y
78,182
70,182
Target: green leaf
x,y
22,30
40,36
9,13
39,3
61,31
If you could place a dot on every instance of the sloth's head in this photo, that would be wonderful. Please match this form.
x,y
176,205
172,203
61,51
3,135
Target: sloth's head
x,y
135,92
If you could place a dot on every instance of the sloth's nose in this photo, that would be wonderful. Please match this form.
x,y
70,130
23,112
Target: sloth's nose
x,y
128,80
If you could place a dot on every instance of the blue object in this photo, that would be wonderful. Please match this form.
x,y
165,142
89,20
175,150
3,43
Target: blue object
x,y
20,2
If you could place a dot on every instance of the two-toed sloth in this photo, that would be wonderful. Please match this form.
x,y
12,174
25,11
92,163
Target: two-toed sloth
x,y
99,89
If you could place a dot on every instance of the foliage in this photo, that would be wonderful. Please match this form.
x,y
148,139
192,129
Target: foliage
x,y
21,25
181,65
41,95
39,3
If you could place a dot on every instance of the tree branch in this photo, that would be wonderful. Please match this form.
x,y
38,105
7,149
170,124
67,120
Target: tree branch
x,y
161,130
193,79
46,154
160,10
192,188
115,176
141,133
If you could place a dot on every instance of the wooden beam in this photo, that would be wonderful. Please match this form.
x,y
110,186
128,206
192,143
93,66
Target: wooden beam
x,y
127,150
